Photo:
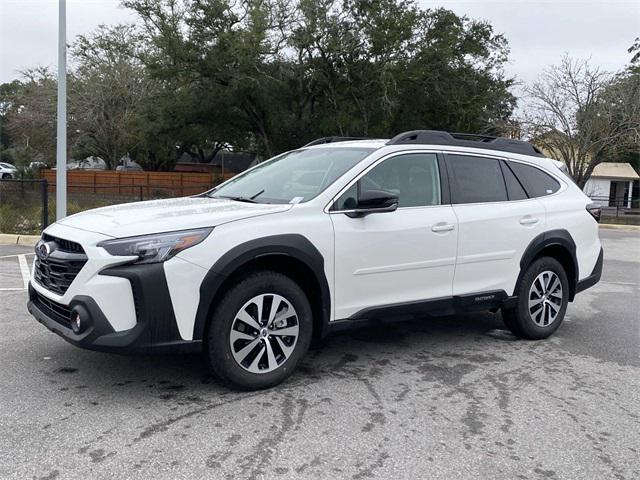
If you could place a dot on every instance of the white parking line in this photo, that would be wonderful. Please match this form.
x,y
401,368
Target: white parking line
x,y
16,255
24,270
25,273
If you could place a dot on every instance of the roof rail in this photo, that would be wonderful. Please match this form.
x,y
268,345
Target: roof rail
x,y
320,141
437,137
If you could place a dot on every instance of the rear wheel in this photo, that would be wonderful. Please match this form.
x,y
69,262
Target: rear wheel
x,y
6,176
543,295
259,332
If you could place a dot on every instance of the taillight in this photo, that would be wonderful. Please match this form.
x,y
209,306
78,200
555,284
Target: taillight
x,y
595,211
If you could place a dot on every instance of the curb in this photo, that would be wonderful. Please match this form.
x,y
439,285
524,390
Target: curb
x,y
615,226
24,240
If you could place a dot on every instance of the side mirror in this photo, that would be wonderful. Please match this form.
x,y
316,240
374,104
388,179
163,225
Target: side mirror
x,y
374,201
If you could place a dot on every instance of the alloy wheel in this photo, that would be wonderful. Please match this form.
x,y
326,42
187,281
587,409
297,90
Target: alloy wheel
x,y
545,298
264,333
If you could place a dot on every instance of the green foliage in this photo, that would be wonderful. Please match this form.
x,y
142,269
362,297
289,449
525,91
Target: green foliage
x,y
29,111
111,89
7,95
618,107
194,76
270,76
634,50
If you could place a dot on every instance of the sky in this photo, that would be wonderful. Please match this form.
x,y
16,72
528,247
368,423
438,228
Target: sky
x,y
539,31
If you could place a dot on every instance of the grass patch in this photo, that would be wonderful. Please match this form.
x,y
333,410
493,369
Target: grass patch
x,y
23,216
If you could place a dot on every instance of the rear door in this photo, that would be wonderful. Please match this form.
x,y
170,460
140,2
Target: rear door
x,y
497,221
395,257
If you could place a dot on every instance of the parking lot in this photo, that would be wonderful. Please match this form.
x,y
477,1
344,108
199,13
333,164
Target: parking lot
x,y
454,397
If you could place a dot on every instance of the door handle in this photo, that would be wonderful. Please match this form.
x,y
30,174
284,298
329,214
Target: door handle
x,y
443,227
528,220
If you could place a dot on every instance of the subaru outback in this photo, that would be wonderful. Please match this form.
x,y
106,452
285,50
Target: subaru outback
x,y
336,233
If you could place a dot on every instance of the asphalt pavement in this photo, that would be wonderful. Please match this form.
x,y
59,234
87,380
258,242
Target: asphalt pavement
x,y
443,398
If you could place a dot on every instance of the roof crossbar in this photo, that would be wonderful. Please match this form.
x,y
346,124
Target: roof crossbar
x,y
437,137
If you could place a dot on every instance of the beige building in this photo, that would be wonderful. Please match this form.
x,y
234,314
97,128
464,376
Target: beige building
x,y
611,184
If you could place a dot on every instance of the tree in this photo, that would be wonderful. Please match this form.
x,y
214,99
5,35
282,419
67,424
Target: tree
x,y
193,76
8,93
455,81
204,54
622,97
272,75
634,50
31,117
110,89
577,114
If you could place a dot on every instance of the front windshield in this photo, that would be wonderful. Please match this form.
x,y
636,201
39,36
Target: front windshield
x,y
293,177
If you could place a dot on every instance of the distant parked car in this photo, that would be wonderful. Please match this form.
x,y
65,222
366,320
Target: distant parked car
x,y
129,166
37,165
89,163
7,170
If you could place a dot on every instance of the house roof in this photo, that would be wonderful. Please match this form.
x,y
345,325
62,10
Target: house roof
x,y
615,170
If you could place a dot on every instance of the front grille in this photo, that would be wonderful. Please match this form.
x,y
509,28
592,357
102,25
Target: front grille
x,y
60,268
64,245
54,310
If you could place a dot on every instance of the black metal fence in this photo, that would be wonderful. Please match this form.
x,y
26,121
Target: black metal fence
x,y
29,206
618,207
24,206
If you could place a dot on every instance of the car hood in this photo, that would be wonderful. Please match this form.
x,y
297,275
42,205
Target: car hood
x,y
156,216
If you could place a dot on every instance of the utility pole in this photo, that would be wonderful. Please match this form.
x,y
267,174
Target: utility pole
x,y
61,151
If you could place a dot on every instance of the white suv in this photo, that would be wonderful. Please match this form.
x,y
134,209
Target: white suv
x,y
7,171
318,239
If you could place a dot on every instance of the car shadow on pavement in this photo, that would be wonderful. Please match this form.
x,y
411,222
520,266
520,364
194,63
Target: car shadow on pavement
x,y
168,377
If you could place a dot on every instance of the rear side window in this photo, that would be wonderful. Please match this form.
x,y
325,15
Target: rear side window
x,y
514,188
536,182
476,179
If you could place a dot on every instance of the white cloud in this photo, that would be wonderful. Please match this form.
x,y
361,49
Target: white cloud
x,y
29,29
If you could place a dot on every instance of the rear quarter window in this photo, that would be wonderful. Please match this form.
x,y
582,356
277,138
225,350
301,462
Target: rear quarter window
x,y
536,182
476,179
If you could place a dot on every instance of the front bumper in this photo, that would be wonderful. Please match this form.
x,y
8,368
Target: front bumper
x,y
97,334
155,329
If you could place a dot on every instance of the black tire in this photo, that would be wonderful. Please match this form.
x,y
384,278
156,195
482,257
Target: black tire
x,y
6,176
519,319
218,348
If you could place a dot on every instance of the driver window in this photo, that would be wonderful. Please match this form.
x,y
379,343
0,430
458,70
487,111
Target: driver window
x,y
413,177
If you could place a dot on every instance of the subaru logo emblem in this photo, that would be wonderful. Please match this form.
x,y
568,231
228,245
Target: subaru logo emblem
x,y
43,250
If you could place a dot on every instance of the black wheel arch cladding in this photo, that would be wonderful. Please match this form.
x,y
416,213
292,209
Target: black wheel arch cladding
x,y
559,238
293,246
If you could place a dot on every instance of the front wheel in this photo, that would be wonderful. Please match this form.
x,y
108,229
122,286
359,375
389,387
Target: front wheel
x,y
543,296
259,332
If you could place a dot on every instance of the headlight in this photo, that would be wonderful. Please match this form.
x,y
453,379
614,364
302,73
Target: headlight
x,y
157,247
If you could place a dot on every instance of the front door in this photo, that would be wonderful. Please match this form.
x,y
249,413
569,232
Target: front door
x,y
395,257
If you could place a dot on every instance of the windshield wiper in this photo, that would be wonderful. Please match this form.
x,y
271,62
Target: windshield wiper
x,y
250,199
237,199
